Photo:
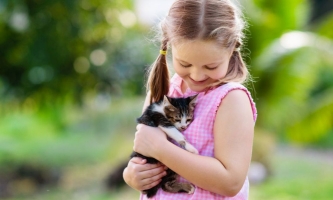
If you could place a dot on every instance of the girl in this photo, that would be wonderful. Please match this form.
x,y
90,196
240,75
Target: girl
x,y
204,37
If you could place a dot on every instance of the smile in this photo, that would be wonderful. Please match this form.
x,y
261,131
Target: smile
x,y
198,82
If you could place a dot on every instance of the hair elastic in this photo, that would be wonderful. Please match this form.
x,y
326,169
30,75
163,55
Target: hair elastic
x,y
162,52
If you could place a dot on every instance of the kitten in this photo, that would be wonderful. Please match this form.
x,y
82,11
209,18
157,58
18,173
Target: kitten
x,y
171,115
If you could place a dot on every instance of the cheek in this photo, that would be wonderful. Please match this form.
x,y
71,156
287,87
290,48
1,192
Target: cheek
x,y
181,71
218,74
177,125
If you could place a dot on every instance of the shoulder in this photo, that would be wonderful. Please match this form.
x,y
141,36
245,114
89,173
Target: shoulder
x,y
231,86
236,97
236,104
236,94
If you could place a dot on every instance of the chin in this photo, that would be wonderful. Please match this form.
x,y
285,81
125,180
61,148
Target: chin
x,y
198,89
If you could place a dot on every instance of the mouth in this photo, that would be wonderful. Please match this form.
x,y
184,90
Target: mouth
x,y
197,82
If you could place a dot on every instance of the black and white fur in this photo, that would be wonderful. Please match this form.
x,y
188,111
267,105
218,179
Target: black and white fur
x,y
171,115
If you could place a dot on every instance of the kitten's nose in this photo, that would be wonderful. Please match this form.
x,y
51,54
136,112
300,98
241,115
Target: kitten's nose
x,y
183,128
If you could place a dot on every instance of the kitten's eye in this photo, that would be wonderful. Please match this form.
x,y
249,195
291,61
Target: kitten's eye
x,y
188,120
177,120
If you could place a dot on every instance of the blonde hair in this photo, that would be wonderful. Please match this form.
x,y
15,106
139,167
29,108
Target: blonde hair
x,y
217,20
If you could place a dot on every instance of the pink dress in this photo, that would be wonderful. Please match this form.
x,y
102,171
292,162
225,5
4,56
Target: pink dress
x,y
200,135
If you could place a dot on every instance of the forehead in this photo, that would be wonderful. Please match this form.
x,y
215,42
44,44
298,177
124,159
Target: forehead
x,y
200,51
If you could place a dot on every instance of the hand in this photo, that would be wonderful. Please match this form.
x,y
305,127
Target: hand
x,y
143,176
148,140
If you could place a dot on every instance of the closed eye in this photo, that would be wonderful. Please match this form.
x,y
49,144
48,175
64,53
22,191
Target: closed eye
x,y
210,68
185,65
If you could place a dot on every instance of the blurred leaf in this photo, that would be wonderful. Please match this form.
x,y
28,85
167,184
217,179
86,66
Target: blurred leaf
x,y
294,88
70,48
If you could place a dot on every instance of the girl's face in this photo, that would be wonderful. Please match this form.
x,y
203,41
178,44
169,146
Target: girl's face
x,y
200,63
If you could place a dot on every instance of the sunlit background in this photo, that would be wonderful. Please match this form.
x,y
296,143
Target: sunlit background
x,y
72,79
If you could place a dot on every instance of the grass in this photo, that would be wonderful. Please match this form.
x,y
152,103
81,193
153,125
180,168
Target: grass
x,y
82,143
93,142
66,135
297,175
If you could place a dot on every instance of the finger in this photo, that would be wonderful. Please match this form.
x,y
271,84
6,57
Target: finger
x,y
153,169
138,126
152,175
137,160
143,161
149,186
164,166
153,181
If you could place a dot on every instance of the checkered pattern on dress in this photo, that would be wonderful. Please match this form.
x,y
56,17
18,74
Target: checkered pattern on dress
x,y
200,135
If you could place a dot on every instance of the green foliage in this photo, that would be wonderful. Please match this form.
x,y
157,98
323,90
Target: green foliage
x,y
60,135
291,65
64,62
59,48
323,27
60,51
296,94
268,20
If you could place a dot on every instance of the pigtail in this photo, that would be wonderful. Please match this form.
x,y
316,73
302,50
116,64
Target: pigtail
x,y
158,78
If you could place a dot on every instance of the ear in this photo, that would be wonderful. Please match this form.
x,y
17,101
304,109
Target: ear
x,y
193,100
166,101
167,104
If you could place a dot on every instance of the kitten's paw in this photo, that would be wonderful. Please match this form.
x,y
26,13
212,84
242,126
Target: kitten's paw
x,y
191,191
191,148
188,188
188,147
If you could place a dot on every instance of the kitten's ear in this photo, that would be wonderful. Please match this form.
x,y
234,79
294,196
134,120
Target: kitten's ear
x,y
167,105
193,100
166,101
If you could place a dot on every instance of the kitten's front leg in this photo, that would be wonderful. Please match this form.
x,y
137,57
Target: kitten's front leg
x,y
173,133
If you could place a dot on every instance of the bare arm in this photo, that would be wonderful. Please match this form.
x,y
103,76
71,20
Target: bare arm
x,y
233,136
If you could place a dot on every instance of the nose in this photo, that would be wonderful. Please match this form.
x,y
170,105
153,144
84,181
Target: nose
x,y
183,128
197,74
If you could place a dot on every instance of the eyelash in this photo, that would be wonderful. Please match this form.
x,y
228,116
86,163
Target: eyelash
x,y
186,66
211,68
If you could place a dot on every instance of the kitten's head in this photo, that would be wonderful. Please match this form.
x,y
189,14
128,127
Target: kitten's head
x,y
179,111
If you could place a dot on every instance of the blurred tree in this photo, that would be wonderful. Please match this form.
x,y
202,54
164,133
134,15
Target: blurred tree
x,y
52,54
61,49
291,62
